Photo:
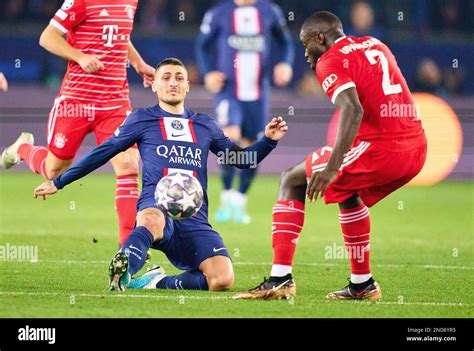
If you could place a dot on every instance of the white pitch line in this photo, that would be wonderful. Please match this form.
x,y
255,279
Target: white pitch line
x,y
443,304
244,263
178,297
114,295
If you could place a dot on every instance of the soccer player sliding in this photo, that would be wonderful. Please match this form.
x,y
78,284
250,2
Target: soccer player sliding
x,y
374,154
190,244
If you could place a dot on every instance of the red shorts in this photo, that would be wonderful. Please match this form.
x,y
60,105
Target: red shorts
x,y
368,170
70,121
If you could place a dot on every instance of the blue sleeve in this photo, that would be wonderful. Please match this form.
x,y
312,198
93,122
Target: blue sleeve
x,y
283,36
124,137
93,160
204,42
231,154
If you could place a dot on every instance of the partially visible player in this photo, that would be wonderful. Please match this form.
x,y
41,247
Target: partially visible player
x,y
233,53
94,95
3,83
170,138
374,154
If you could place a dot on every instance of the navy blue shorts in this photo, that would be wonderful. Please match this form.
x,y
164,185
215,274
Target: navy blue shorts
x,y
250,116
189,242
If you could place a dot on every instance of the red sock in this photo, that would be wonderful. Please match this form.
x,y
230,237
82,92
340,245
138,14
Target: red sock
x,y
126,197
288,219
355,224
34,157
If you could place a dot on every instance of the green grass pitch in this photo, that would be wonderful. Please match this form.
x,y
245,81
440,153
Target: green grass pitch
x,y
422,256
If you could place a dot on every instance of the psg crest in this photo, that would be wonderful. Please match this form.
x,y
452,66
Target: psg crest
x,y
177,125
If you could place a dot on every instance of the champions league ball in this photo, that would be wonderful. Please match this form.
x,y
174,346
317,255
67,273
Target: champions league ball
x,y
179,195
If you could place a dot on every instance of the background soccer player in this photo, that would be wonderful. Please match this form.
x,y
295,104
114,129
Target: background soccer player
x,y
189,244
94,95
374,154
233,53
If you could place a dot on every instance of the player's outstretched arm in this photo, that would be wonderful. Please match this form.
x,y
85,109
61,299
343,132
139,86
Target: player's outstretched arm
x,y
351,116
47,188
233,155
52,39
276,128
124,137
96,158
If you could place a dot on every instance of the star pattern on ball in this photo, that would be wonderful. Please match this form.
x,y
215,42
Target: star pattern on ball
x,y
163,200
187,200
178,178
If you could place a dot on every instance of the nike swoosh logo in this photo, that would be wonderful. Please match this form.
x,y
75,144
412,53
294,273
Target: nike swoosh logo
x,y
177,135
135,248
275,288
219,249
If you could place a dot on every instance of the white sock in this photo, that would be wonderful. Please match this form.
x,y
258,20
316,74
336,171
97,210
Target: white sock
x,y
227,197
360,278
279,270
239,199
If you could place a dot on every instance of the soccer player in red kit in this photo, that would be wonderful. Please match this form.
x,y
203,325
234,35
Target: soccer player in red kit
x,y
377,150
94,95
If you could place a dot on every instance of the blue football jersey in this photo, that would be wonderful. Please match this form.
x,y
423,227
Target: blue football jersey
x,y
167,143
240,38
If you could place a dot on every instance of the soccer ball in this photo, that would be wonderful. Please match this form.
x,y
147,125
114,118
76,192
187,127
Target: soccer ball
x,y
179,195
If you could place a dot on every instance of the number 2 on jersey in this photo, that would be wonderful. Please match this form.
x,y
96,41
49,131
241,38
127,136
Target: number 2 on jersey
x,y
388,88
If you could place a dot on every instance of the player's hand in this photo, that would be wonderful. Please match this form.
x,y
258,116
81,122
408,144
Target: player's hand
x,y
214,81
47,188
147,72
3,82
318,183
276,129
282,74
91,63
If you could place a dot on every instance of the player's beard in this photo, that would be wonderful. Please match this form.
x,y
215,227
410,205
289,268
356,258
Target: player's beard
x,y
173,101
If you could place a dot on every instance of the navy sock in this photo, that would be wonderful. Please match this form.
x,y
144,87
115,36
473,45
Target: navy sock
x,y
136,247
227,176
246,177
191,280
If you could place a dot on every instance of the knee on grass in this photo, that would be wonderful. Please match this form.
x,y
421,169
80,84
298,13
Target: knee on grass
x,y
220,282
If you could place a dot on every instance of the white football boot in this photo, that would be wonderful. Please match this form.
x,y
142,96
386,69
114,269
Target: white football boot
x,y
10,155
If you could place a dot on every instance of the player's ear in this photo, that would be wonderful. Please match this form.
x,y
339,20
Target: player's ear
x,y
153,89
187,88
321,38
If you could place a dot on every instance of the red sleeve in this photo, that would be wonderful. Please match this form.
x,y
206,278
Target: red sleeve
x,y
333,76
71,13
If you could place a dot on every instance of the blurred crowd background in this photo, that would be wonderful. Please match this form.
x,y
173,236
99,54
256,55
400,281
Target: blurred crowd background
x,y
421,17
432,39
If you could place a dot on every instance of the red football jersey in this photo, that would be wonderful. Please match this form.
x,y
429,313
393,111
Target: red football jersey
x,y
97,27
367,64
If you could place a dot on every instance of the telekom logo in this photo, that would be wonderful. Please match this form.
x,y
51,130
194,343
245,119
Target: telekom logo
x,y
109,33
